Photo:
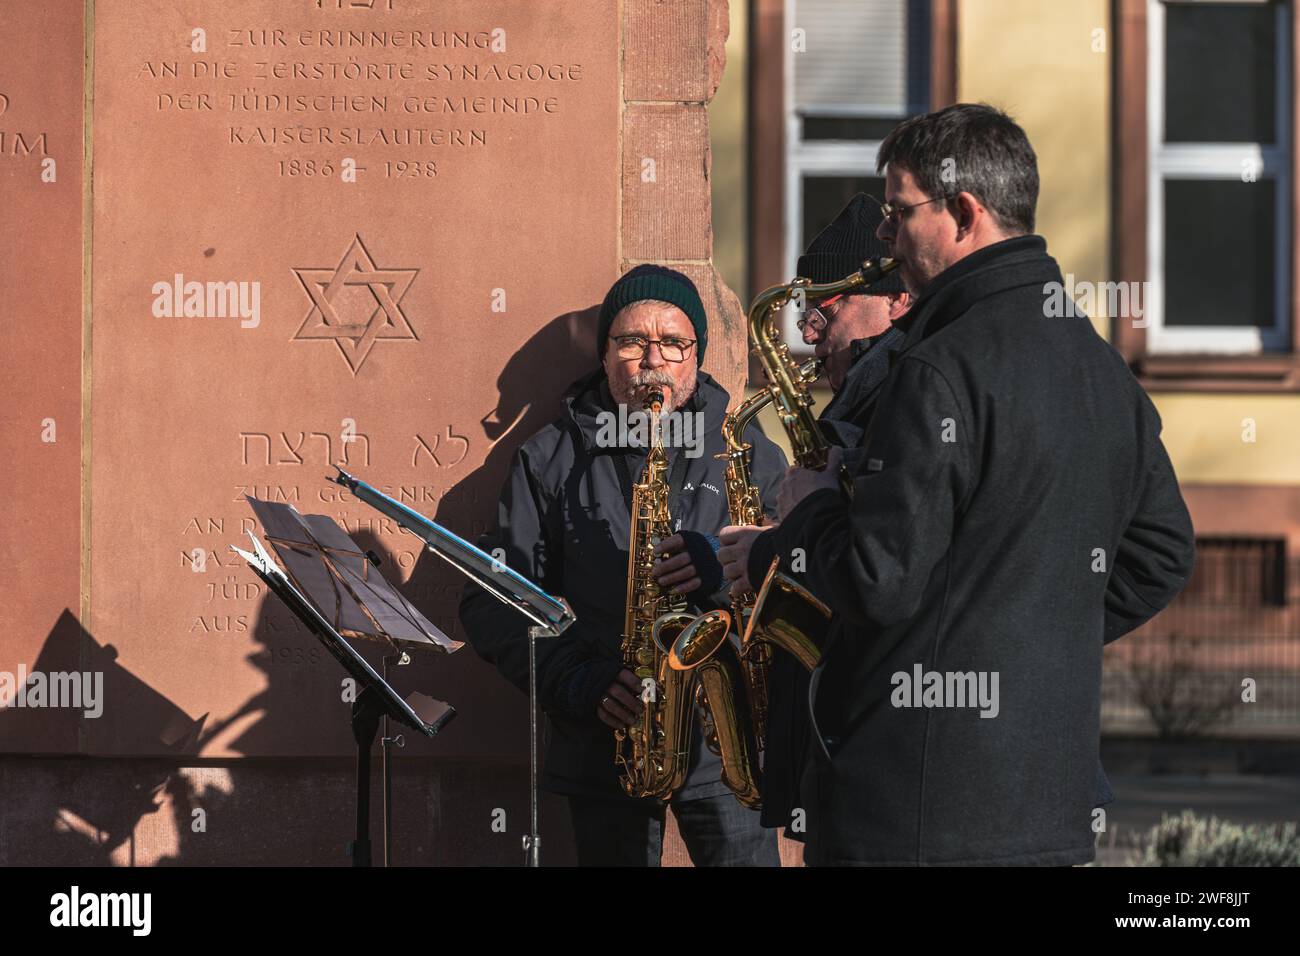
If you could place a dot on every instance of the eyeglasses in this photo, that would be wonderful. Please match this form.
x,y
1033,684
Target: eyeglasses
x,y
815,318
635,346
893,214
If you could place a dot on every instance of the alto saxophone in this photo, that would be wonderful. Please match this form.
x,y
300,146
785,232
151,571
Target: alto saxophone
x,y
734,685
653,754
784,612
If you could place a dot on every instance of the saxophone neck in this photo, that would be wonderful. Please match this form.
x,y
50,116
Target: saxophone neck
x,y
656,459
871,270
787,383
735,423
762,315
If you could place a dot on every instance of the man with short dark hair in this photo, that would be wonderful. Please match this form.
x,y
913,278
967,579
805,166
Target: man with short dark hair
x,y
1014,510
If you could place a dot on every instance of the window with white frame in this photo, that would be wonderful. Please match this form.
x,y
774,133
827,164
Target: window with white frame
x,y
1219,134
854,70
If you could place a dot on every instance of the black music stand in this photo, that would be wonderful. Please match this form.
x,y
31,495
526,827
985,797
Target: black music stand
x,y
331,588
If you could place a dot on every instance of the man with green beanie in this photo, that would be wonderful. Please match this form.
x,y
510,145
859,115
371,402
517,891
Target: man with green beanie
x,y
564,520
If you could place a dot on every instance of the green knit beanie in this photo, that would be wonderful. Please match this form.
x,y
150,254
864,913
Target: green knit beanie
x,y
654,282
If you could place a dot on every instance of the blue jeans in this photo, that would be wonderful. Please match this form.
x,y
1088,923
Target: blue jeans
x,y
717,831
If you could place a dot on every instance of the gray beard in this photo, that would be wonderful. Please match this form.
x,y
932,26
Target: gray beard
x,y
662,379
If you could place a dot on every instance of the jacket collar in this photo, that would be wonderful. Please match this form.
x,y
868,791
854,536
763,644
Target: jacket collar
x,y
1019,262
860,347
869,368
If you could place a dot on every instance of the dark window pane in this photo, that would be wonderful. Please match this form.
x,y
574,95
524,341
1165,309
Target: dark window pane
x,y
825,196
1220,72
847,127
1219,253
1238,572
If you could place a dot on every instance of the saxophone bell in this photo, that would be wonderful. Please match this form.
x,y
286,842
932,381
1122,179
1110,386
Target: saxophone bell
x,y
700,641
789,616
704,649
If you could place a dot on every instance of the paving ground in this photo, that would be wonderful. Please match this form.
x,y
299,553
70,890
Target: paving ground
x,y
1140,801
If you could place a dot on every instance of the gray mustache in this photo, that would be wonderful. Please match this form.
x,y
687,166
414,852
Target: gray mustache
x,y
651,377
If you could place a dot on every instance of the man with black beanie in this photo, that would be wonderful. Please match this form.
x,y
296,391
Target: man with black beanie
x,y
854,335
564,521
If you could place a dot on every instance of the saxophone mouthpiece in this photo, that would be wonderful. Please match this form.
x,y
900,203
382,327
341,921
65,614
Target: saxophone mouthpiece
x,y
874,271
655,400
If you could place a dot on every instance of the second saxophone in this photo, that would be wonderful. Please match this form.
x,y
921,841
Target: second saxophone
x,y
783,614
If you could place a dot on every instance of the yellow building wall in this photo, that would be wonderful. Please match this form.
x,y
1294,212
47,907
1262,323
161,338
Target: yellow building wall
x,y
1232,439
1038,60
730,149
1048,63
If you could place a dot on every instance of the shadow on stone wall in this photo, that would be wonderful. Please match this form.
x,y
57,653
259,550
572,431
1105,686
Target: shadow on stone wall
x,y
63,807
170,806
86,825
530,387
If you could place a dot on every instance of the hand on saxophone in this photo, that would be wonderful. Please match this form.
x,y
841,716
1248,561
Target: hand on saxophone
x,y
734,554
799,483
621,706
676,568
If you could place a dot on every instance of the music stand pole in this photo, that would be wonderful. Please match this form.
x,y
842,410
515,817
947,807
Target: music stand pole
x,y
551,615
532,842
385,745
387,742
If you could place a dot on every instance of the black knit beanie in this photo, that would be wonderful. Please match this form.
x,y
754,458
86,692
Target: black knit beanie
x,y
654,282
840,248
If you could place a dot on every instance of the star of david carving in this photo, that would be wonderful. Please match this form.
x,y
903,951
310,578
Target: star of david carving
x,y
355,330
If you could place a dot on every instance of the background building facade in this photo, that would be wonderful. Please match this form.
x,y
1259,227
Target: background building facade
x,y
1165,140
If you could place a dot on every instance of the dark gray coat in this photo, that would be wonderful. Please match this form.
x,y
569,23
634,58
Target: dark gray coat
x,y
1008,452
563,522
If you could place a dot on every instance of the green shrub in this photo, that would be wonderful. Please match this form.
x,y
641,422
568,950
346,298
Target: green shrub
x,y
1189,840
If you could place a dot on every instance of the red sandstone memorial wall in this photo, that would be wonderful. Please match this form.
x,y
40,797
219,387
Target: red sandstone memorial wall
x,y
402,215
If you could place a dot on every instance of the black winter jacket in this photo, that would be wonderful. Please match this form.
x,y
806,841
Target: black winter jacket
x,y
1015,510
563,522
